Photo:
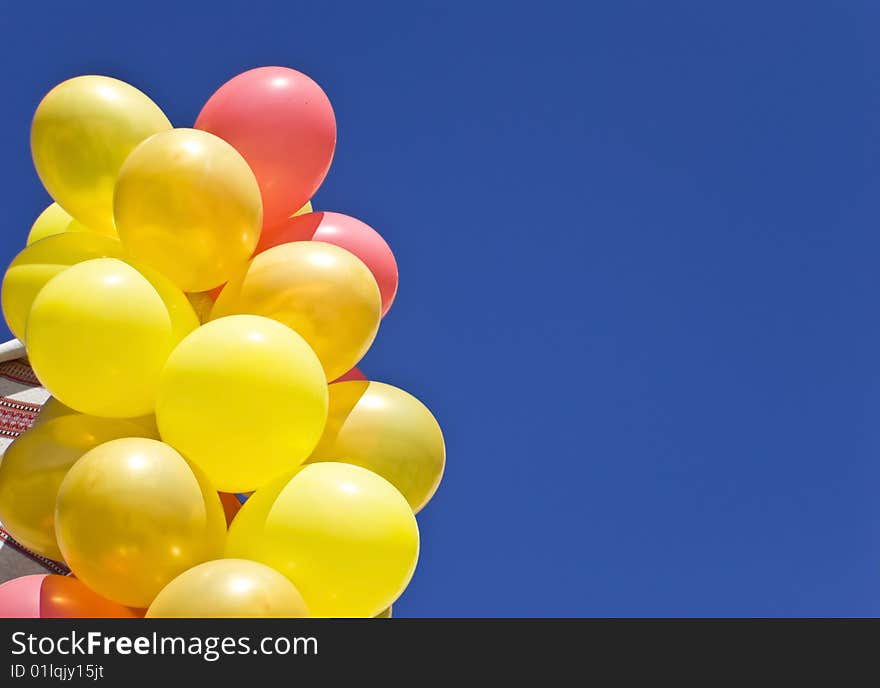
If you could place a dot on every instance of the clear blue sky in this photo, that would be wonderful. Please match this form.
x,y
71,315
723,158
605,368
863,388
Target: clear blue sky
x,y
639,247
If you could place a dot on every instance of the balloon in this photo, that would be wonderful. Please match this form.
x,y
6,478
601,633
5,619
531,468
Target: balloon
x,y
344,536
229,589
187,204
55,220
231,506
244,398
42,260
44,596
323,292
283,124
131,515
392,433
384,614
55,409
39,262
348,233
307,208
82,132
353,374
34,466
98,336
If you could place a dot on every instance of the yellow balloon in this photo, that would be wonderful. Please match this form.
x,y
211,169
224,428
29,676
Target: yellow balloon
x,y
34,465
40,262
387,430
320,290
229,589
55,220
344,536
132,515
384,614
55,409
244,398
307,208
82,132
97,337
187,204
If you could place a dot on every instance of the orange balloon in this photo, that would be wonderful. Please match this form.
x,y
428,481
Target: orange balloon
x,y
62,597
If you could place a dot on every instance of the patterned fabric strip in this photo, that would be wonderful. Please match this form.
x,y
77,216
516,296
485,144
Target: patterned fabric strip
x,y
19,371
16,416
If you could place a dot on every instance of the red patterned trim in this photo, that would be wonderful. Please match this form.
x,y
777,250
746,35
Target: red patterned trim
x,y
16,416
45,562
19,371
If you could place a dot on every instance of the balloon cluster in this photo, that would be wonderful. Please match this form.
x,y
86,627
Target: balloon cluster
x,y
186,309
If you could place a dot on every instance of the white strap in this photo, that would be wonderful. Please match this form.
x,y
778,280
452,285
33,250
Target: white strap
x,y
11,350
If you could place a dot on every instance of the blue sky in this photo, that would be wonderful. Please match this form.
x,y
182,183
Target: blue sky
x,y
638,246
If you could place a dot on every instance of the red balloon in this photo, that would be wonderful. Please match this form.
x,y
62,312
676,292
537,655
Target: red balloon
x,y
231,506
346,232
282,123
352,375
44,596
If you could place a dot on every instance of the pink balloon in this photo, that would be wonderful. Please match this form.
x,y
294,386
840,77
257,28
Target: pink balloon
x,y
20,597
46,596
282,123
353,375
348,233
